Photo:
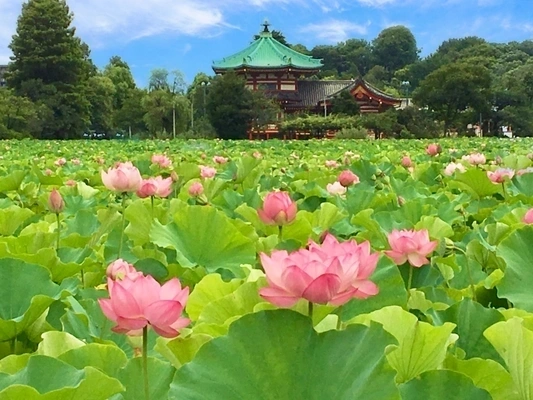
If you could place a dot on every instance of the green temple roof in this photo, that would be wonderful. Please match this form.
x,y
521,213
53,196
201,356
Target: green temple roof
x,y
267,53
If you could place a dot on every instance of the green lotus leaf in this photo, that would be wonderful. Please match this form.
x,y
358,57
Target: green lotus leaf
x,y
477,181
160,376
524,184
203,236
517,252
209,289
11,218
472,319
421,346
438,385
278,355
105,357
437,228
12,181
47,378
240,302
26,292
514,343
182,350
486,374
56,343
392,291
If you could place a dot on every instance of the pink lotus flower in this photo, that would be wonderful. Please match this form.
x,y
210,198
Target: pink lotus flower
x,y
331,273
452,167
475,159
278,209
207,172
120,269
407,162
123,178
433,149
348,178
60,162
410,245
331,164
71,183
524,171
155,187
336,188
220,160
48,172
134,304
196,189
55,202
75,161
500,175
257,155
528,218
162,160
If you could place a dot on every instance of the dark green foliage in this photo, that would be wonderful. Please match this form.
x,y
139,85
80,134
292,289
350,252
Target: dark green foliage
x,y
229,106
344,103
394,48
50,66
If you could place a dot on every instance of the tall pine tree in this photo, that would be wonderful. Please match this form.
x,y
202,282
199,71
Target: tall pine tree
x,y
51,66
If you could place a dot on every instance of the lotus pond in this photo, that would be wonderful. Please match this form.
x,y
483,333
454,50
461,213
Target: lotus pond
x,y
266,270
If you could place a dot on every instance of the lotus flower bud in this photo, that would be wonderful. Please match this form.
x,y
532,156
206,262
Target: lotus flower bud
x,y
55,202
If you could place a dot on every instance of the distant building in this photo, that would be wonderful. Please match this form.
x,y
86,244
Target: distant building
x,y
3,70
281,71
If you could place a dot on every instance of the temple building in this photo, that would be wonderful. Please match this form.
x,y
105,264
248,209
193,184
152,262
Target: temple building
x,y
287,75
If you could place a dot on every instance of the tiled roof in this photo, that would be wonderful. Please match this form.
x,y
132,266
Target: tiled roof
x,y
312,92
267,52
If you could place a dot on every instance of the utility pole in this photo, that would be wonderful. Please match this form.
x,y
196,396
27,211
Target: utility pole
x,y
174,120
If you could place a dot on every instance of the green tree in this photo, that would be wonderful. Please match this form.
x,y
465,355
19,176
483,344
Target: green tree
x,y
19,117
100,94
119,72
162,79
229,105
50,66
454,88
264,109
280,37
394,48
344,103
159,106
130,117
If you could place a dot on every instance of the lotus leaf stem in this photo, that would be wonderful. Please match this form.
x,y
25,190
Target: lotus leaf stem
x,y
123,225
145,363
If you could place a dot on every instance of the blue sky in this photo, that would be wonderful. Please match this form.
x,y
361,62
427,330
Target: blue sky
x,y
189,34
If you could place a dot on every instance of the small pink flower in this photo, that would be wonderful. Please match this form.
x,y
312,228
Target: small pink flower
x,y
524,171
336,188
406,162
500,175
123,178
433,149
528,218
278,209
120,269
410,245
162,160
155,187
207,172
220,160
257,155
55,202
71,183
75,161
453,167
48,172
331,273
331,164
60,162
196,189
135,304
475,159
348,178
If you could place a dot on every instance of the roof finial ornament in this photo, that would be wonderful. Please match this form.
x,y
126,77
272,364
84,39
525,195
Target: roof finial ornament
x,y
266,24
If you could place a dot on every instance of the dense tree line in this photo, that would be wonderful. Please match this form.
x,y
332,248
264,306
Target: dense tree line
x,y
55,90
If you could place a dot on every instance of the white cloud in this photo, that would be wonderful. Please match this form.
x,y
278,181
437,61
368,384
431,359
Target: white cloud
x,y
377,3
334,30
